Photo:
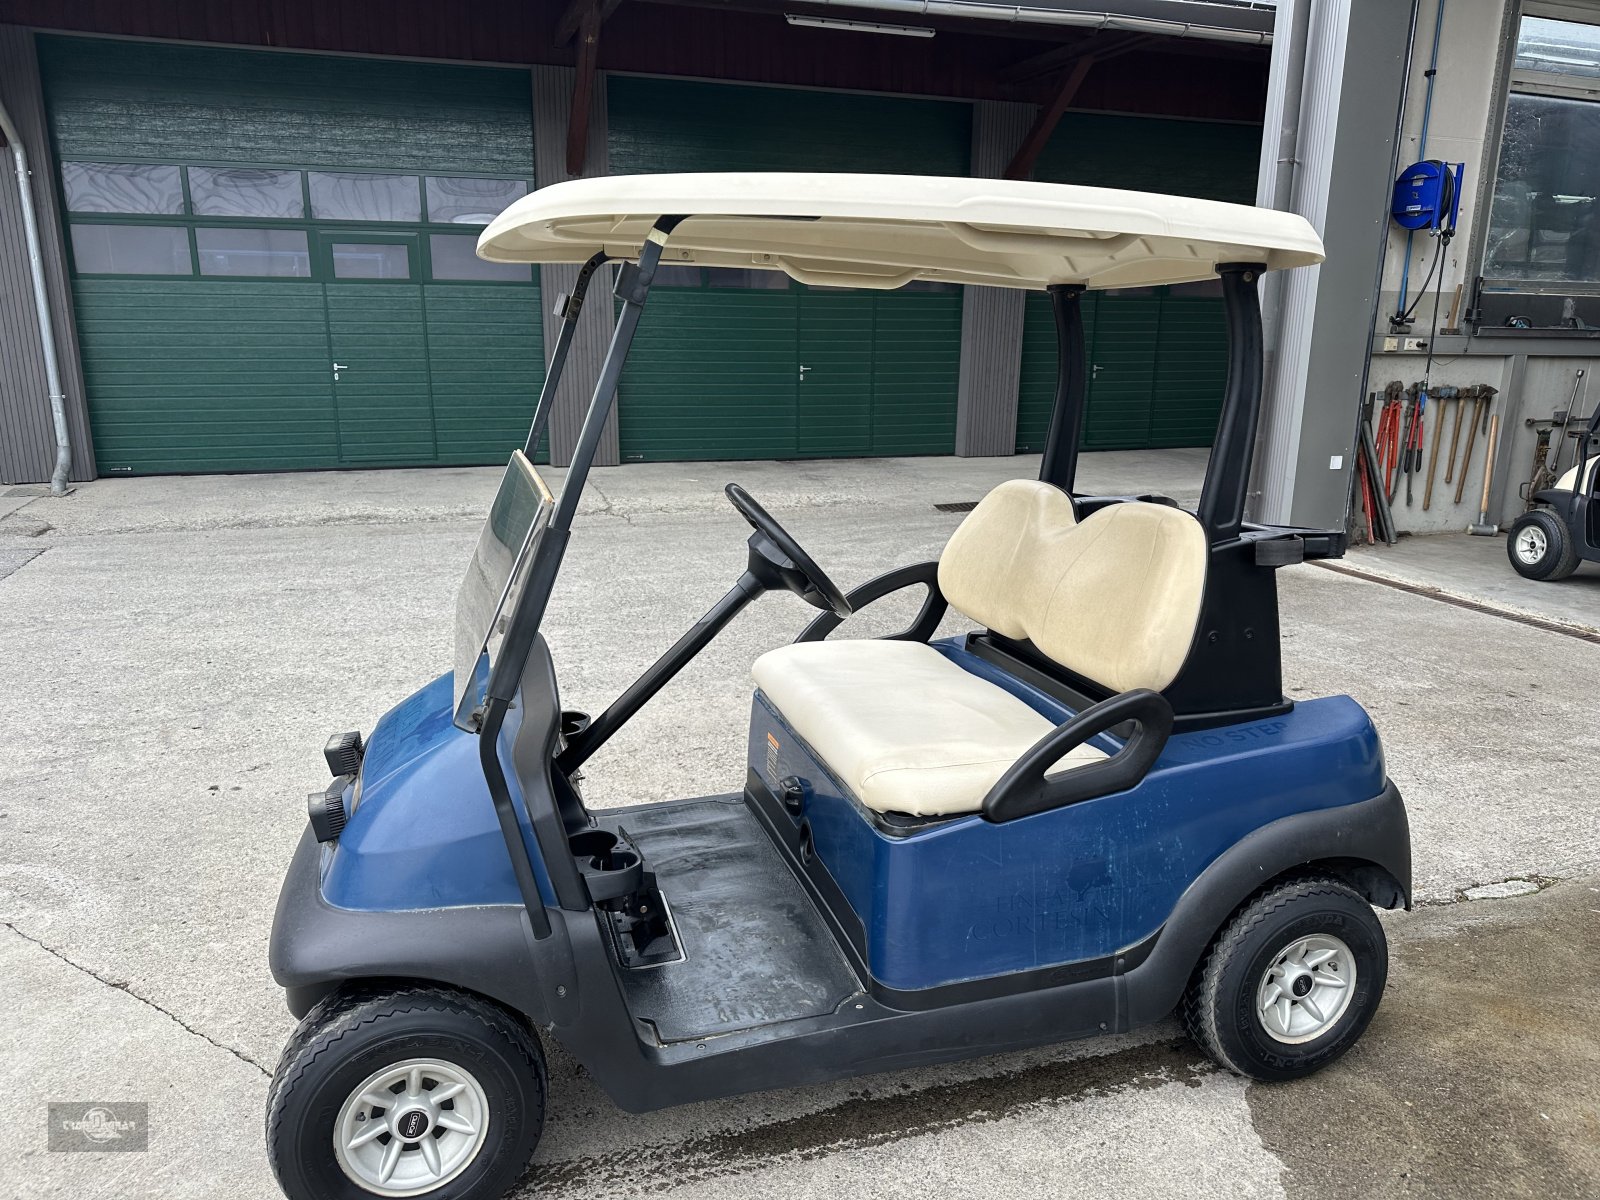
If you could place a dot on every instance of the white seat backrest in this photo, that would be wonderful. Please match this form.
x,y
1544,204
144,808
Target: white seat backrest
x,y
1114,598
1569,478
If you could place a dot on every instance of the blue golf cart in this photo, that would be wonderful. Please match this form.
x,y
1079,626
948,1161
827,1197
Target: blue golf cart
x,y
1094,808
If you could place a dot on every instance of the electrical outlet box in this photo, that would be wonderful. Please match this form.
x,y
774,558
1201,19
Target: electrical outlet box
x,y
1391,344
1416,344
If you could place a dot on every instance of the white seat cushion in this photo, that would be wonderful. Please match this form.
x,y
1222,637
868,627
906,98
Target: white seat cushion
x,y
900,725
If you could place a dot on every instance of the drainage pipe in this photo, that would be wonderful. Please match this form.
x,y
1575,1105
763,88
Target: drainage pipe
x,y
41,303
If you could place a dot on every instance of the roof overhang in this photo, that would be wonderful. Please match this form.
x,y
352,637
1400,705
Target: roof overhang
x,y
884,231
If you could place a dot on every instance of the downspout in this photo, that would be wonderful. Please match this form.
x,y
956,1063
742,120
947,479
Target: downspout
x,y
41,304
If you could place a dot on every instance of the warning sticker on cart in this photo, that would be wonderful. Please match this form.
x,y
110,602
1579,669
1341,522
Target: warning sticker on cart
x,y
772,758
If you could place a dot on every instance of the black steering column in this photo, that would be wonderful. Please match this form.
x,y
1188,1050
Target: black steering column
x,y
776,562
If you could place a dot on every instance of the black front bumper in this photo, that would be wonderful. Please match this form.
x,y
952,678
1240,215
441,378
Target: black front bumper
x,y
316,947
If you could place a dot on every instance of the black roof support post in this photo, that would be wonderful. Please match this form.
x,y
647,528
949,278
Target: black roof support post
x,y
1222,497
1060,465
568,308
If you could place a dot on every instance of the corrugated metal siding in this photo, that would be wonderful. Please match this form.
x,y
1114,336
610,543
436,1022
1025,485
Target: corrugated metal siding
x,y
485,368
713,375
671,125
1211,159
834,399
552,104
378,334
882,366
195,375
1191,372
114,101
916,353
27,431
1127,332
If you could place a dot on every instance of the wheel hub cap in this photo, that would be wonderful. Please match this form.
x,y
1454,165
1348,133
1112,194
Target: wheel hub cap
x,y
411,1127
1306,989
1531,544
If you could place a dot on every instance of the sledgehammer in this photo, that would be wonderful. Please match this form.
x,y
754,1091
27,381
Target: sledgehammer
x,y
1483,528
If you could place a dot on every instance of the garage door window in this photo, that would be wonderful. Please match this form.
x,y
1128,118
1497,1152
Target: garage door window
x,y
466,201
122,188
258,253
352,196
370,260
454,256
246,192
131,250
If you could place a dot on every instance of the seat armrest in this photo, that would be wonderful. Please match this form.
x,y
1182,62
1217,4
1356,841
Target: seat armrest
x,y
920,630
1025,789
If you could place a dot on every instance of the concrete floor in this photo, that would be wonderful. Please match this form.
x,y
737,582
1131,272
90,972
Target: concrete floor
x,y
1476,568
174,652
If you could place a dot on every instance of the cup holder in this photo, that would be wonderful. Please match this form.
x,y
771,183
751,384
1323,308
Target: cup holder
x,y
610,866
573,723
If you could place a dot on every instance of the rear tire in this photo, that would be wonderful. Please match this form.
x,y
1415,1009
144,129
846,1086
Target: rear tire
x,y
1291,982
468,1082
1540,546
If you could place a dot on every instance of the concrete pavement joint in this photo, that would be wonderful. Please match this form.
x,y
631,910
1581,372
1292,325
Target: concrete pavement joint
x,y
123,986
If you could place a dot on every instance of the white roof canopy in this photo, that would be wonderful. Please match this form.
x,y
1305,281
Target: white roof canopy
x,y
884,231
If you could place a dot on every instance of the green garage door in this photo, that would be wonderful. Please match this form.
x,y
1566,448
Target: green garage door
x,y
273,260
1157,356
736,364
745,364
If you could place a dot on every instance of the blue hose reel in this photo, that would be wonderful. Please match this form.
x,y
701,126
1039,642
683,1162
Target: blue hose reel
x,y
1427,195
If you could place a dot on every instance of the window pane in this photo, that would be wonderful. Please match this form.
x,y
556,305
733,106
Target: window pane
x,y
245,192
471,201
455,256
370,260
122,188
737,277
277,252
347,196
1543,222
130,250
1558,47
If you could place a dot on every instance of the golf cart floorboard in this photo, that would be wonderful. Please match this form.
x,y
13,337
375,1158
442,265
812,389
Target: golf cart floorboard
x,y
756,951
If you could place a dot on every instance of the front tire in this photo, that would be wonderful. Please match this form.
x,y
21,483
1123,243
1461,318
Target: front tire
x,y
1540,546
408,1092
1291,982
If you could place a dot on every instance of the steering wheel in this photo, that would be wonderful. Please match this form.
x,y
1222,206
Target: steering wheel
x,y
777,560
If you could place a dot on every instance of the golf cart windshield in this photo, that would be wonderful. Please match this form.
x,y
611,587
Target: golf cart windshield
x,y
495,577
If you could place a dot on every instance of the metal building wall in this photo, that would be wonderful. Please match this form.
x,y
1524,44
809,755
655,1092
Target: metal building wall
x,y
991,318
27,433
552,103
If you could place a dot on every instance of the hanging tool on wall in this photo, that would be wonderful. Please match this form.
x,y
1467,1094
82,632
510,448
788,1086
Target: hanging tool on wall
x,y
1416,416
1441,396
1482,397
1388,437
1455,435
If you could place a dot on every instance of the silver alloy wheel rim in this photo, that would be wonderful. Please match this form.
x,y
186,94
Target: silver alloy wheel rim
x,y
411,1127
1306,989
1531,545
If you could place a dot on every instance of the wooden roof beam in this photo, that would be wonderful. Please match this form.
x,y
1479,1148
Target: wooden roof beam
x,y
1022,163
583,85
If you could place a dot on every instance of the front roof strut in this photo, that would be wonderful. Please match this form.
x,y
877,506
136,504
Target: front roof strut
x,y
567,307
